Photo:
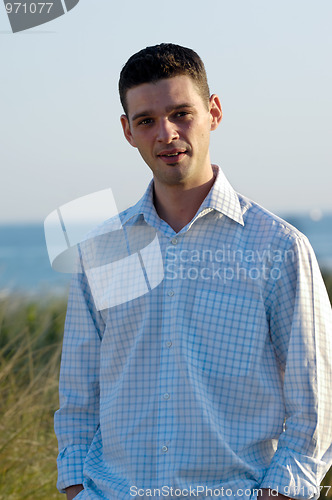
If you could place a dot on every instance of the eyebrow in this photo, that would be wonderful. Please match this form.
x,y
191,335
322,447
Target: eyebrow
x,y
149,112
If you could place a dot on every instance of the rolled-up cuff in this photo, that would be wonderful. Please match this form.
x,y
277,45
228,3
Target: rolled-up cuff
x,y
294,475
70,464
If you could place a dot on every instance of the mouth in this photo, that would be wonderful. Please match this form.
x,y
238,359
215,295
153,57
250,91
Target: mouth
x,y
173,156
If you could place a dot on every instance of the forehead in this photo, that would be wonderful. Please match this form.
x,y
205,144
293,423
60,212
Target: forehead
x,y
162,94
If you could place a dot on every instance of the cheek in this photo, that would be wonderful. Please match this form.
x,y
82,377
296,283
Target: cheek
x,y
144,146
200,129
143,139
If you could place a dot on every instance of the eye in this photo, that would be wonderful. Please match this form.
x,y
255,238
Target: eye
x,y
180,114
146,121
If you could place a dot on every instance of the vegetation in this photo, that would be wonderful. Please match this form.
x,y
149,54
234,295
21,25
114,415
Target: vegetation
x,y
30,348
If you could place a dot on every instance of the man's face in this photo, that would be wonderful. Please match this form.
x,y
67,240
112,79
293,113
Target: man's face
x,y
170,124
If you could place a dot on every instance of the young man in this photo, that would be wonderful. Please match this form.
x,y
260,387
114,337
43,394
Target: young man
x,y
215,379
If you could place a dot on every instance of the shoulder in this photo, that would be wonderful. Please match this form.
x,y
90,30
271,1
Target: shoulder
x,y
106,241
112,224
268,227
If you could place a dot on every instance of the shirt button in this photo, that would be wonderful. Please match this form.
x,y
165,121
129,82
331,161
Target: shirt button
x,y
169,344
166,395
174,241
164,449
170,293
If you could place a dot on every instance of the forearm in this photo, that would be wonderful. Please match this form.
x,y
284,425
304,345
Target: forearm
x,y
77,420
72,491
300,329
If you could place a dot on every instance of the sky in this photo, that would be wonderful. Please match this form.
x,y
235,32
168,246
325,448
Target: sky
x,y
269,62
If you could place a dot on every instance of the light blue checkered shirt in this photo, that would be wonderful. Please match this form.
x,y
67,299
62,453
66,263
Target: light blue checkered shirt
x,y
196,364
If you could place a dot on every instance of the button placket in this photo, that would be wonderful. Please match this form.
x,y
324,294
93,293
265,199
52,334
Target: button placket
x,y
167,359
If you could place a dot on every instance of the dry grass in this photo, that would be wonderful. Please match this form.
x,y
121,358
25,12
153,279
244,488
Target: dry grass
x,y
30,347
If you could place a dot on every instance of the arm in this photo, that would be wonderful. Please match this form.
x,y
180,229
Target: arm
x,y
300,328
77,419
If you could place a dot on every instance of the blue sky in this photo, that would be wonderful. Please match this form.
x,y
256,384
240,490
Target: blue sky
x,y
269,62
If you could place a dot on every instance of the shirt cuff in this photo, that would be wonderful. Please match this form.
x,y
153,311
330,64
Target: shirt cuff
x,y
294,475
70,464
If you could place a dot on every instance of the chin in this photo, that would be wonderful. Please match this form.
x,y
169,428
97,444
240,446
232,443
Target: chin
x,y
173,178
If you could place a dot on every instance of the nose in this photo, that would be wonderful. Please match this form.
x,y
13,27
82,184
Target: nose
x,y
166,131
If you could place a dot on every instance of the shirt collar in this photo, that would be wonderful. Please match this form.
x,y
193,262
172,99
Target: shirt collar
x,y
144,207
221,198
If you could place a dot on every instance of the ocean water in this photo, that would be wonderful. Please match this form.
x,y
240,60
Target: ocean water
x,y
24,262
25,266
319,233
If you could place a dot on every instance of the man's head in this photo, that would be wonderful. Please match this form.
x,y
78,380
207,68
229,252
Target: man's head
x,y
169,114
159,62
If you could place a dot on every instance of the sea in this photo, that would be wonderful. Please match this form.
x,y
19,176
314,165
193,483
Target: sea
x,y
25,267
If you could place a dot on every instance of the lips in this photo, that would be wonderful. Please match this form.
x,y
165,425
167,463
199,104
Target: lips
x,y
171,152
172,156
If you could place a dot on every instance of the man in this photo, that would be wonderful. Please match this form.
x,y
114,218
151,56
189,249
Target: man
x,y
214,380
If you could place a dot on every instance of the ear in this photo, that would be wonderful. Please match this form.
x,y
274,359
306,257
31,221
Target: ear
x,y
126,130
215,111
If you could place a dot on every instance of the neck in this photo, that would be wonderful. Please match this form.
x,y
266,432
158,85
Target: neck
x,y
177,204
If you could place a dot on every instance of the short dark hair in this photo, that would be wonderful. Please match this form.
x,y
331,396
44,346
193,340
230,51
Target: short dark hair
x,y
157,62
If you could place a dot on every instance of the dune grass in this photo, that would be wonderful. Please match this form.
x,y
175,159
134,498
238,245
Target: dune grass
x,y
30,348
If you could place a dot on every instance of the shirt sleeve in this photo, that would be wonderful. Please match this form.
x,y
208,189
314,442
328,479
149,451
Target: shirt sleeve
x,y
300,329
77,420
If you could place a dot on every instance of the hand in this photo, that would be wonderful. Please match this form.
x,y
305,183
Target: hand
x,y
266,495
72,491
